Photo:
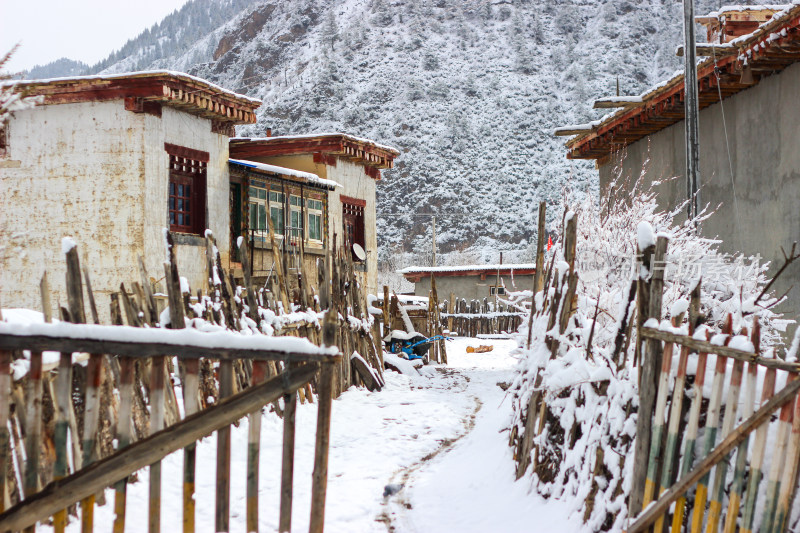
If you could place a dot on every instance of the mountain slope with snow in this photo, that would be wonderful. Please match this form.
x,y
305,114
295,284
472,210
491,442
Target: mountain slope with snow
x,y
468,90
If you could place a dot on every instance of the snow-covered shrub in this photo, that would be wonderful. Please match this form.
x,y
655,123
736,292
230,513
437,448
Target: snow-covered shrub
x,y
591,399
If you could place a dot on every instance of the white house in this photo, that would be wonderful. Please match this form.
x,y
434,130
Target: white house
x,y
111,161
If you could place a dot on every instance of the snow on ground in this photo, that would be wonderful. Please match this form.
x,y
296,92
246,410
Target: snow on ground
x,y
435,439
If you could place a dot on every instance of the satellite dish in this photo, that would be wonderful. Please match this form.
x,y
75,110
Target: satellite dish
x,y
359,252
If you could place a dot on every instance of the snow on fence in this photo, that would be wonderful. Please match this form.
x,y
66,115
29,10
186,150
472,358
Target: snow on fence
x,y
656,477
616,415
97,419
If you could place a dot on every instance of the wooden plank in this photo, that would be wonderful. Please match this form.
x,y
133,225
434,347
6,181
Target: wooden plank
x,y
778,453
33,424
191,389
5,395
157,379
124,437
790,475
287,464
254,451
757,458
222,507
690,436
735,492
647,377
10,340
648,517
718,489
325,400
710,435
59,494
725,351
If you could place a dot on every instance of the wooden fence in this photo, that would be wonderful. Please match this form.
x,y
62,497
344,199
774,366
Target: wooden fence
x,y
65,418
470,319
668,492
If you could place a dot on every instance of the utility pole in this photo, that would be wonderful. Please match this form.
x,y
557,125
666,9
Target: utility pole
x,y
691,110
433,239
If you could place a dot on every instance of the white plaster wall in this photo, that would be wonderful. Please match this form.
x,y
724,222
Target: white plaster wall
x,y
99,173
71,170
182,129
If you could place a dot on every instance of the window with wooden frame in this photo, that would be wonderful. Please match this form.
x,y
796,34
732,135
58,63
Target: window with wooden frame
x,y
314,209
276,212
187,189
353,218
497,289
257,203
295,218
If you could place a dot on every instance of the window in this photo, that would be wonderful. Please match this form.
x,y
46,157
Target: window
x,y
353,217
276,200
295,218
258,205
314,208
495,289
187,189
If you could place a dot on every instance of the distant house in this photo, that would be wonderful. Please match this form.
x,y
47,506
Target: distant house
x,y
111,161
749,89
329,191
471,282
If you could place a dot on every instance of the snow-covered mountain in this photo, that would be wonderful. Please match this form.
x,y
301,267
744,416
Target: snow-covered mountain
x,y
468,90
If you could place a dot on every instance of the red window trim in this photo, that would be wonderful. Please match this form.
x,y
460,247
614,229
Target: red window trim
x,y
188,153
192,171
353,201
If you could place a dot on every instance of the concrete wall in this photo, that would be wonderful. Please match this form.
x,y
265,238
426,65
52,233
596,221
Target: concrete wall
x,y
98,173
471,287
760,208
354,183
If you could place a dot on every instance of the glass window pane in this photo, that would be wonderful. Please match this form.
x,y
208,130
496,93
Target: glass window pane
x,y
172,218
180,204
253,192
262,194
172,202
262,217
253,216
186,220
186,192
180,219
171,189
277,219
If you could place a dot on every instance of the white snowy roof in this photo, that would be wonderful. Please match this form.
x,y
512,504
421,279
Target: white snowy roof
x,y
353,138
136,74
307,176
467,268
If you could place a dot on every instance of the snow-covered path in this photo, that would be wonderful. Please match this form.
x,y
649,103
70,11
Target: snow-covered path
x,y
438,435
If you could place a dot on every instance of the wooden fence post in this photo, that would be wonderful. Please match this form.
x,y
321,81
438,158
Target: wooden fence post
x,y
5,394
650,363
222,513
287,467
325,399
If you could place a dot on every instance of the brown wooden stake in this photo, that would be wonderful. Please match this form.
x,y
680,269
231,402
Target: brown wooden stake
x,y
124,432
287,467
5,395
325,399
33,425
254,451
222,512
157,378
649,364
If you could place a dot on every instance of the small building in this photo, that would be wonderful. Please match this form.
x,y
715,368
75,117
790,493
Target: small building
x,y
112,161
296,203
347,167
749,83
471,282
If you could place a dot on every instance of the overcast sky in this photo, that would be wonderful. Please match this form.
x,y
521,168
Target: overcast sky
x,y
84,30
